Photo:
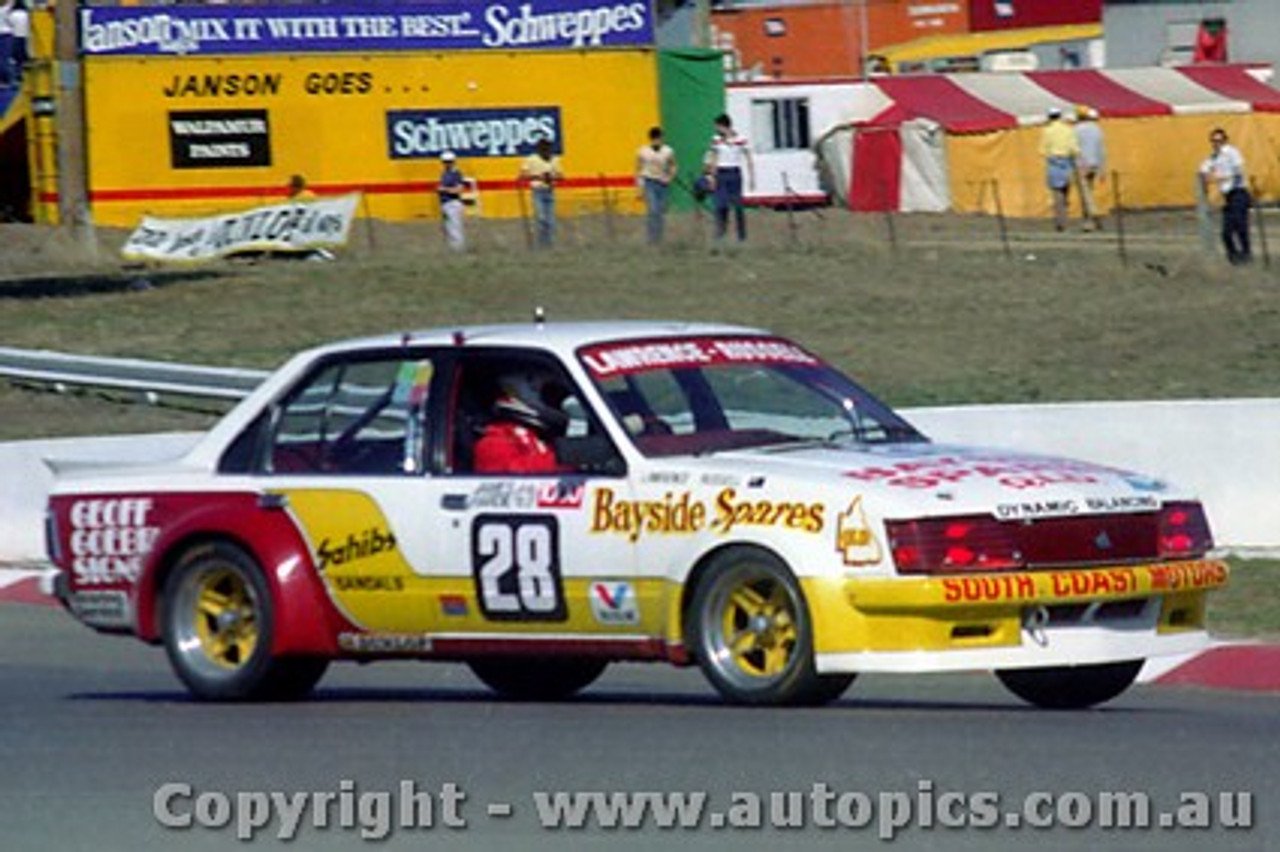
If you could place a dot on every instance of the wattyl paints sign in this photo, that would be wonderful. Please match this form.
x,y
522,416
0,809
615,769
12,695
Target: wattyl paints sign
x,y
471,133
446,25
204,139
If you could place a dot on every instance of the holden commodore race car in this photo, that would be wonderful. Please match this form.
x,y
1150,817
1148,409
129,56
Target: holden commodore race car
x,y
706,495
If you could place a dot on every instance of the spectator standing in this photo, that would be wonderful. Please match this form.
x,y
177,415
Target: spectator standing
x,y
1225,169
541,171
20,23
1060,149
298,190
728,156
451,187
6,43
655,169
1092,162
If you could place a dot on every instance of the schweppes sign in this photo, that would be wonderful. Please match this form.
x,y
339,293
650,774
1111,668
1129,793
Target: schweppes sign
x,y
471,133
364,27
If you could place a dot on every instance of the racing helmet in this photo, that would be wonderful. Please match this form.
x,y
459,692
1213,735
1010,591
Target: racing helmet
x,y
531,398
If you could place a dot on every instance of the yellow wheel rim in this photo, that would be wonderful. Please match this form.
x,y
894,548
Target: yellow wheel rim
x,y
225,618
759,625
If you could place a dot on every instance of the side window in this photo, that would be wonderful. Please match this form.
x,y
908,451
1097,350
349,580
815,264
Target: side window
x,y
495,391
780,124
356,417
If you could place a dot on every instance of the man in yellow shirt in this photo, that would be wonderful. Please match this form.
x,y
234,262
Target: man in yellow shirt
x,y
541,171
1060,148
655,169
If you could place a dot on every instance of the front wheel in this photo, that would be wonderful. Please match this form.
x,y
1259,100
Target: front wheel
x,y
1071,687
217,620
535,678
750,632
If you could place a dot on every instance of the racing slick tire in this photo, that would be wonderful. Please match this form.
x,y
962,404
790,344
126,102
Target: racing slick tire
x,y
749,630
536,678
1071,687
217,621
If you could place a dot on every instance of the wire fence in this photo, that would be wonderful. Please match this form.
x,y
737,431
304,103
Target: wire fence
x,y
590,217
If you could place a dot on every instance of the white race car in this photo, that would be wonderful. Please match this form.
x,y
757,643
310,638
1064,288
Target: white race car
x,y
717,496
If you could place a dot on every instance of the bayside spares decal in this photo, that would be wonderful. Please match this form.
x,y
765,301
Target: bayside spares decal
x,y
615,359
677,514
294,226
444,25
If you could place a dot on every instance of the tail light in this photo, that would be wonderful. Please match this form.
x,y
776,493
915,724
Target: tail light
x,y
941,545
1184,531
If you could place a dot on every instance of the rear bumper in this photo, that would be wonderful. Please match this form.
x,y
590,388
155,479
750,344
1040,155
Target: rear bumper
x,y
1068,646
1012,620
53,583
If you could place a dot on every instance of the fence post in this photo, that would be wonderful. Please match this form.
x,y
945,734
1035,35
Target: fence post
x,y
368,219
892,228
1256,203
1004,228
1202,216
606,199
791,210
521,185
1117,202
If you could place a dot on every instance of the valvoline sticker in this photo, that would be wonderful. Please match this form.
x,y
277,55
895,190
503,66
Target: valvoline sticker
x,y
614,603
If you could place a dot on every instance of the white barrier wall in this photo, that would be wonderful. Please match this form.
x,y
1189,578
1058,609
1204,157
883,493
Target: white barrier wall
x,y
1226,451
25,480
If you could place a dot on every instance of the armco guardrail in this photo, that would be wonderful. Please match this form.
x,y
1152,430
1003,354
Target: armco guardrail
x,y
128,374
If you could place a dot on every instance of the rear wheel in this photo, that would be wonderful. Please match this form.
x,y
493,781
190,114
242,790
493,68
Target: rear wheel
x,y
750,632
535,678
217,620
1071,687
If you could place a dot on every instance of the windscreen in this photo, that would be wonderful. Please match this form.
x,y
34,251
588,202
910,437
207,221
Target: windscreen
x,y
687,396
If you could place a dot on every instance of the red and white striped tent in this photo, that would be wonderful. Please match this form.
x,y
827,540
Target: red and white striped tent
x,y
966,142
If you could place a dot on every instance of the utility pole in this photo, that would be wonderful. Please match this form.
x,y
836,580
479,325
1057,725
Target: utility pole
x,y
73,191
863,38
702,23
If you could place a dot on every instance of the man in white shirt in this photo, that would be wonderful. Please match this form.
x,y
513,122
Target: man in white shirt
x,y
20,23
6,44
1090,163
728,156
1224,169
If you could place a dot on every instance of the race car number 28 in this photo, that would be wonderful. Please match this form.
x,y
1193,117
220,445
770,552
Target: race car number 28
x,y
516,563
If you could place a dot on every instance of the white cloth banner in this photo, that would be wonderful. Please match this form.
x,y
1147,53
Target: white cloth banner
x,y
294,226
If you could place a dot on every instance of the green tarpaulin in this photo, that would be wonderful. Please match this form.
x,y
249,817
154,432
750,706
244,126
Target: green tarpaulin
x,y
691,91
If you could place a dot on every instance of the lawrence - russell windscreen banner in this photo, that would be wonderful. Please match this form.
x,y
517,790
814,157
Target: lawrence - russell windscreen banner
x,y
364,27
295,226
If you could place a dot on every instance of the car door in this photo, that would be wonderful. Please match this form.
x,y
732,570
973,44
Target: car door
x,y
344,452
516,556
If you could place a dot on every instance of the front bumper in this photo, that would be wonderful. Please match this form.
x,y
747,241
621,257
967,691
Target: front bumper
x,y
1011,620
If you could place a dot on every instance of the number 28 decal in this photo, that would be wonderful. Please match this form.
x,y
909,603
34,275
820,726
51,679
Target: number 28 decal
x,y
516,563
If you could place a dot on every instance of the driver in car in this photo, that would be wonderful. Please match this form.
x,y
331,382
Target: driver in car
x,y
526,418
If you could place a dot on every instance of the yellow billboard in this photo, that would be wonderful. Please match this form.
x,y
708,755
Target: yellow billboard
x,y
196,135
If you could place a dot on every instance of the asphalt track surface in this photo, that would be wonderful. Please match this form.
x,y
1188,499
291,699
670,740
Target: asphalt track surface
x,y
94,726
